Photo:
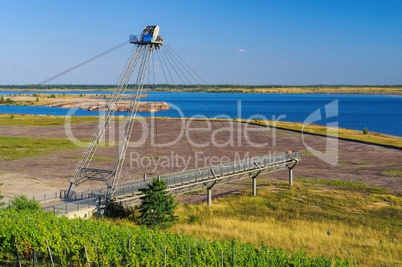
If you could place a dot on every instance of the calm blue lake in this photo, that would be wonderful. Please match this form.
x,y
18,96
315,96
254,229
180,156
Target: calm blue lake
x,y
379,113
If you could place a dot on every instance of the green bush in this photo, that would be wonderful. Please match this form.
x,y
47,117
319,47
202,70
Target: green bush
x,y
117,210
21,202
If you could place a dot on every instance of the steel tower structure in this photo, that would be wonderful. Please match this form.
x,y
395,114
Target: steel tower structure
x,y
145,43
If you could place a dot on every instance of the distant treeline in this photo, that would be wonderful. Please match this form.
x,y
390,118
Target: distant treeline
x,y
168,87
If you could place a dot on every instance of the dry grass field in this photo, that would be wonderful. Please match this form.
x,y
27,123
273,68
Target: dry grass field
x,y
321,217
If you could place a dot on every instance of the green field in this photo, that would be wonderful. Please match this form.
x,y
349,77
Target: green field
x,y
14,148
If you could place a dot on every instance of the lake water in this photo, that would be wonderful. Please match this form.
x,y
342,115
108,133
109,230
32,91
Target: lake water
x,y
379,113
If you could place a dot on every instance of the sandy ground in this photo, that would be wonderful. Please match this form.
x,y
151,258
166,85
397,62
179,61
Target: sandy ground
x,y
49,173
91,102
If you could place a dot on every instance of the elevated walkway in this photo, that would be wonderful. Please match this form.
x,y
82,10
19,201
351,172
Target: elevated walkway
x,y
184,182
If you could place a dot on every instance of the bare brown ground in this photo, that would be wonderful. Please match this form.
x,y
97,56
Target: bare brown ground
x,y
36,175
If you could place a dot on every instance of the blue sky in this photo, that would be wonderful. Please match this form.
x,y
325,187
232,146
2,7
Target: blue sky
x,y
286,42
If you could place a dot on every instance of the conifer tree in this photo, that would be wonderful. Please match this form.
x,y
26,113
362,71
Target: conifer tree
x,y
157,207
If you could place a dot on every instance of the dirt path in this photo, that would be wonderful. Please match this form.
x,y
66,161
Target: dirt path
x,y
357,162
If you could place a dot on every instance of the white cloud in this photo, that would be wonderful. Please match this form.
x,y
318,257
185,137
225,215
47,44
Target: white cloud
x,y
283,62
241,50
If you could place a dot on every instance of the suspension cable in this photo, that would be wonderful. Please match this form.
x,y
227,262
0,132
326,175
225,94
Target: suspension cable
x,y
195,132
153,113
204,83
163,66
188,67
231,134
78,65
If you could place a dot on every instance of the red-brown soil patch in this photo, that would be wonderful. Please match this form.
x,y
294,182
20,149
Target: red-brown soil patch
x,y
36,175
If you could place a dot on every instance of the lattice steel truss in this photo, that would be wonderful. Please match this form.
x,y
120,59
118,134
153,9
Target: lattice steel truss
x,y
145,43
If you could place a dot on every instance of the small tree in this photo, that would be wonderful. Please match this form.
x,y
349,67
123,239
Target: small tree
x,y
365,131
21,202
2,99
157,207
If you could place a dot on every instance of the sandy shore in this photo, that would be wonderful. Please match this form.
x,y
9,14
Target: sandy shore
x,y
91,103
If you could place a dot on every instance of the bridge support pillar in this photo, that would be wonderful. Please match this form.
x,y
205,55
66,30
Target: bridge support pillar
x,y
254,186
209,196
290,168
254,181
290,177
209,187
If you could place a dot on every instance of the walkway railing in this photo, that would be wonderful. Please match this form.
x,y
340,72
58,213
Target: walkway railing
x,y
185,181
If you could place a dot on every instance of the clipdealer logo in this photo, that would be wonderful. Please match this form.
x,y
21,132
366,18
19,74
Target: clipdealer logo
x,y
329,114
236,133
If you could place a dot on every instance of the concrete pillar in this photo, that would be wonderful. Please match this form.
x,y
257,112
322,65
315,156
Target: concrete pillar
x,y
254,185
209,196
290,177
